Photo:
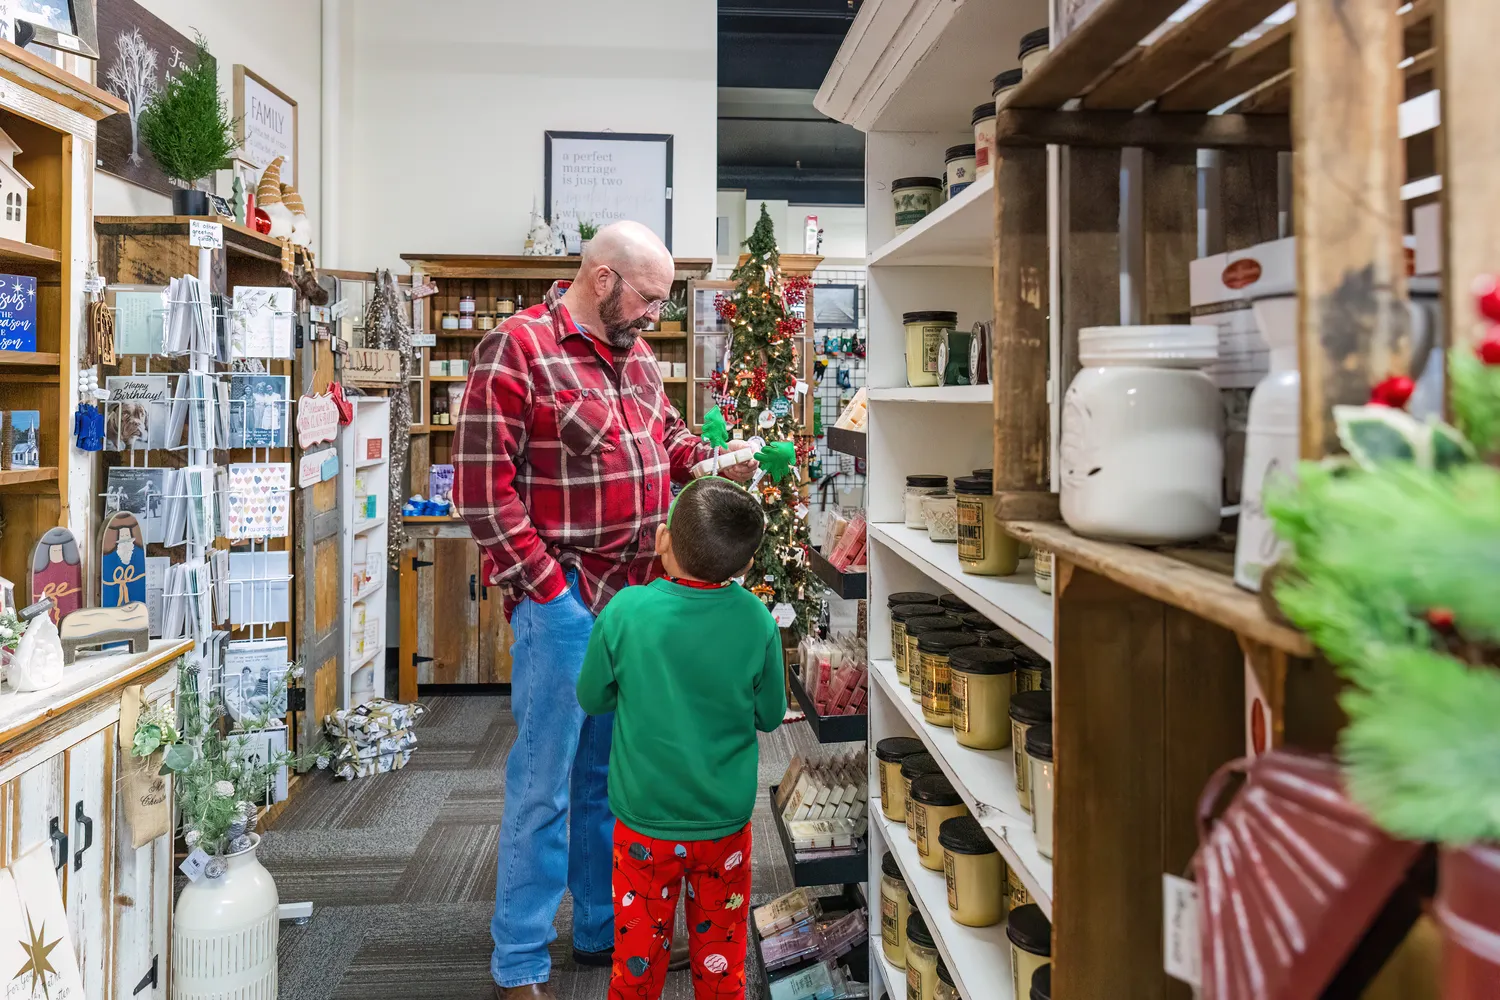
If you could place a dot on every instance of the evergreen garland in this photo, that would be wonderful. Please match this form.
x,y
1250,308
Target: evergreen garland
x,y
186,124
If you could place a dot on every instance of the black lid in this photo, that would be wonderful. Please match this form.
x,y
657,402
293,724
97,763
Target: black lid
x,y
1002,639
1009,78
983,111
964,835
919,765
983,473
930,316
944,642
1033,40
959,152
935,790
952,602
982,660
1030,930
933,623
1039,742
902,612
1041,983
973,484
944,974
916,182
1033,659
897,748
889,867
911,597
1034,708
924,479
916,930
977,623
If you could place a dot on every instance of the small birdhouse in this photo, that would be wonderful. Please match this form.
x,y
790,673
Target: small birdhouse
x,y
13,192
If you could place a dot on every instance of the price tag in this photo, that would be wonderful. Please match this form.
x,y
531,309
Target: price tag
x,y
424,340
195,864
319,314
784,614
209,235
69,42
339,345
422,291
93,285
1180,909
801,387
340,309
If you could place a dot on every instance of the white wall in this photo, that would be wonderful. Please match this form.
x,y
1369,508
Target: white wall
x,y
843,227
278,39
445,104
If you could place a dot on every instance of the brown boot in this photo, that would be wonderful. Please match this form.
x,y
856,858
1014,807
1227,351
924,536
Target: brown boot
x,y
536,991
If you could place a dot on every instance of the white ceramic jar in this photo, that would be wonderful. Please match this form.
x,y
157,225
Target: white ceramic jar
x,y
224,933
1142,453
1271,446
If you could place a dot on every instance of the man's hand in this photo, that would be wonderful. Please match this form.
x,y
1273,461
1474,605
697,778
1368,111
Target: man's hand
x,y
745,470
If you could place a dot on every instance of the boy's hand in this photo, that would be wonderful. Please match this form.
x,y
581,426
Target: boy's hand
x,y
745,470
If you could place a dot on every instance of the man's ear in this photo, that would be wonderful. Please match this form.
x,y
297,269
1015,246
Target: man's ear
x,y
663,540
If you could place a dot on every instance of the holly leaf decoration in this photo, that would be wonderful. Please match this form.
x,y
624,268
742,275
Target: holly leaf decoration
x,y
148,739
715,431
777,459
1377,434
1450,449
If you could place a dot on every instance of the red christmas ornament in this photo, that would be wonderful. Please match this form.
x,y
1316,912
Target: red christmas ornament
x,y
1393,392
1489,348
1440,619
726,309
794,290
786,329
717,381
1487,294
262,222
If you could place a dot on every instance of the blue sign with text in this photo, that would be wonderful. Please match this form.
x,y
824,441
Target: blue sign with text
x,y
17,313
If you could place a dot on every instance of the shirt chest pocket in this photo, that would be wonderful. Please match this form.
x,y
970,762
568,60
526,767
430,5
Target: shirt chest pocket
x,y
586,423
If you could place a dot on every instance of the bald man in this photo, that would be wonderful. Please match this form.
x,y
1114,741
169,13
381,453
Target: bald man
x,y
565,454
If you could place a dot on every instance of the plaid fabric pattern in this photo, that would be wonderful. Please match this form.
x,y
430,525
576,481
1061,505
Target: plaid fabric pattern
x,y
564,456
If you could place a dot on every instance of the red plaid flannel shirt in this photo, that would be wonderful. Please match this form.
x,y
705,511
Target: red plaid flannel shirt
x,y
564,455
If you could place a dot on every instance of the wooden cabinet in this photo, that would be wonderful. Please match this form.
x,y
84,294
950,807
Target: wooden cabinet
x,y
453,627
90,804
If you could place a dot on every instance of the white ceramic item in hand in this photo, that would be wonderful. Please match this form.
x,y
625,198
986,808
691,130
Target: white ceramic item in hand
x,y
38,661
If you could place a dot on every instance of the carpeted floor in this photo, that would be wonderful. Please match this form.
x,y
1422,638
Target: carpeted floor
x,y
401,868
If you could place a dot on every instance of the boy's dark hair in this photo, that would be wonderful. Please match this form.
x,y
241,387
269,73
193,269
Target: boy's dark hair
x,y
716,526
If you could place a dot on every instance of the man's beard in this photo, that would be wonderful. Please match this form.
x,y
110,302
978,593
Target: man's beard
x,y
619,332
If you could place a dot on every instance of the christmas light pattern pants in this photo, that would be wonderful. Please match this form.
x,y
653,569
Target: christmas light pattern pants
x,y
647,876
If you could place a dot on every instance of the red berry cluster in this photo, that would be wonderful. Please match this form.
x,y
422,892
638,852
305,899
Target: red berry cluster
x,y
794,290
786,329
1487,294
726,308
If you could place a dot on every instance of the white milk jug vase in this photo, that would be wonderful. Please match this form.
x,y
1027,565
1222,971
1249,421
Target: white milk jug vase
x,y
224,933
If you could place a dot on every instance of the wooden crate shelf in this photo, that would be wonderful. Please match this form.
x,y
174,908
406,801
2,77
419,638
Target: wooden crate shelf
x,y
16,252
17,477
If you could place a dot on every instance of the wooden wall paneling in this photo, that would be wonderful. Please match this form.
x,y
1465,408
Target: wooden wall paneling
x,y
1090,257
446,617
1351,268
1248,196
1108,696
1022,334
495,637
1169,229
406,670
141,933
90,863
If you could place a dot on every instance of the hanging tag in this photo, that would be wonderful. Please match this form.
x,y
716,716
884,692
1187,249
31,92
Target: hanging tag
x,y
340,309
422,291
801,510
195,864
784,614
1180,909
93,284
424,340
208,235
801,386
319,314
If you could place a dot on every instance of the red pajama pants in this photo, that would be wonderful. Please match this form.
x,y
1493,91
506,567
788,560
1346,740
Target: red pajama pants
x,y
647,876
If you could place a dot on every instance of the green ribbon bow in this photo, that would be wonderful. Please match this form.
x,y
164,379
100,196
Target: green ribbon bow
x,y
777,459
715,432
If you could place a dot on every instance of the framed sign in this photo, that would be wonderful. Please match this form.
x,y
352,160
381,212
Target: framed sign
x,y
138,53
604,177
68,25
266,123
836,306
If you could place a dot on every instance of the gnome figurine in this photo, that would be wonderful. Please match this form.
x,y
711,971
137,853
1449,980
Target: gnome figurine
x,y
301,226
268,199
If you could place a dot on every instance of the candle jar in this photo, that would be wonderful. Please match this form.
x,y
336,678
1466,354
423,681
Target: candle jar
x,y
940,512
1030,670
505,307
450,321
915,199
1039,753
890,753
918,487
894,911
1030,934
945,989
983,549
1034,48
924,335
918,765
1030,708
915,629
974,871
984,138
952,604
1041,983
1001,639
1002,85
1015,890
933,801
921,959
958,168
979,685
466,321
934,649
900,615
1041,568
977,624
466,305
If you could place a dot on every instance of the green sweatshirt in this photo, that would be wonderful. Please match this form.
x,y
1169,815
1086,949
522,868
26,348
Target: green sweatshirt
x,y
690,674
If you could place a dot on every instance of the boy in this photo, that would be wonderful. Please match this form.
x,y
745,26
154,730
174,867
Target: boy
x,y
691,666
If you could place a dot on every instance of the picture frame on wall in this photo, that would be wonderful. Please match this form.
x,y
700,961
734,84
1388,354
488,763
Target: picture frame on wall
x,y
605,177
65,25
139,52
836,307
265,123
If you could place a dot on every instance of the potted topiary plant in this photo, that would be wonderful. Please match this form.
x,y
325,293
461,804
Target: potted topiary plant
x,y
187,127
587,230
674,312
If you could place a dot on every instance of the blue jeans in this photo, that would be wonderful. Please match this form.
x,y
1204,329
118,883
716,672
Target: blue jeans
x,y
556,825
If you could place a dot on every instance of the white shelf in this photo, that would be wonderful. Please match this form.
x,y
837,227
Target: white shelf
x,y
360,527
373,589
987,781
1011,602
367,463
893,978
360,664
978,957
959,234
934,394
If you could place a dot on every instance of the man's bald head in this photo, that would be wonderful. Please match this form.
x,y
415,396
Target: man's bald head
x,y
633,250
625,269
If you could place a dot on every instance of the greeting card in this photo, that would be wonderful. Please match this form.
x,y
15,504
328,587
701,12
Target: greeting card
x,y
258,500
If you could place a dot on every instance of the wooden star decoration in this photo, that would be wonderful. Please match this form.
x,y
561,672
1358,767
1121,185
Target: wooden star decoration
x,y
38,956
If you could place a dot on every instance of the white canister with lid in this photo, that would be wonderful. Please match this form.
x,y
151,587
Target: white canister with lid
x,y
958,168
1034,48
984,139
1002,85
1142,453
1271,447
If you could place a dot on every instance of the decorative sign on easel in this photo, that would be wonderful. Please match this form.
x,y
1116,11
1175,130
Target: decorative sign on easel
x,y
317,420
371,364
604,177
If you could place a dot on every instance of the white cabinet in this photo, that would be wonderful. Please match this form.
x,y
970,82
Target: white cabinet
x,y
86,870
37,815
142,913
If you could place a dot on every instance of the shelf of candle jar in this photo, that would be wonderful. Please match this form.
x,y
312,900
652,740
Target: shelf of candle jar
x,y
978,394
447,378
439,429
371,588
828,728
960,233
360,527
850,585
857,961
1012,602
846,442
978,957
832,867
363,661
890,977
370,462
1198,580
985,778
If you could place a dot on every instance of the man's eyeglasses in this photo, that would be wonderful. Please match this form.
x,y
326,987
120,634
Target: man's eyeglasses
x,y
652,305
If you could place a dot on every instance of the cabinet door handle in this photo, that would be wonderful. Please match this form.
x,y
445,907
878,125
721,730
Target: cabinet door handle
x,y
59,844
148,980
87,825
472,578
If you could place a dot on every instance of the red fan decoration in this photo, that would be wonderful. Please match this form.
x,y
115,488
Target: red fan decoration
x,y
1293,875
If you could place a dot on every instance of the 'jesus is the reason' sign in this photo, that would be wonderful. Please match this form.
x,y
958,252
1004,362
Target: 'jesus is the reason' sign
x,y
17,313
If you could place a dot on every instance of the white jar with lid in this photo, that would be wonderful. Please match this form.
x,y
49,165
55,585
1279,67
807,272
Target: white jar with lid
x,y
917,487
984,138
1002,85
1142,453
1271,444
958,168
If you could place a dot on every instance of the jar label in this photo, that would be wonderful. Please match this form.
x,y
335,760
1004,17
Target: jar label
x,y
950,873
958,700
1018,894
884,795
916,816
890,919
1028,679
932,338
898,647
1015,975
914,659
1018,752
913,981
935,681
970,531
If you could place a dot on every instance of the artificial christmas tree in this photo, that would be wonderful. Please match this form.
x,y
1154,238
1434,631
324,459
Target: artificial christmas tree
x,y
758,395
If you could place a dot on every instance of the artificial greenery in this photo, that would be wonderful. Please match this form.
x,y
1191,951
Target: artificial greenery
x,y
1391,571
587,229
11,630
674,310
186,124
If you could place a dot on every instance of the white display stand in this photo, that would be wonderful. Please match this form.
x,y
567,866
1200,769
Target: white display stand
x,y
365,460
